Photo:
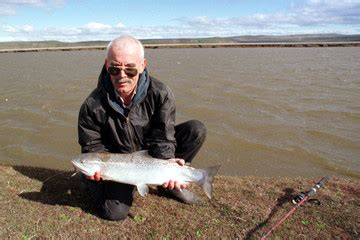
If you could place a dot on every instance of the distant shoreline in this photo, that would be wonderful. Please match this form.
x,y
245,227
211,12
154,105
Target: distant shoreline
x,y
194,45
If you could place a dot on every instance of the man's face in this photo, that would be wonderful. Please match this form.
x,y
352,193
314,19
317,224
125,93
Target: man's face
x,y
125,66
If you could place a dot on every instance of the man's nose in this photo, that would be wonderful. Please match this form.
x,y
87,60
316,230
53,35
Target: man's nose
x,y
122,73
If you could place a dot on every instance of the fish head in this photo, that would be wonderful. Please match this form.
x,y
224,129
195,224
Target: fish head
x,y
87,164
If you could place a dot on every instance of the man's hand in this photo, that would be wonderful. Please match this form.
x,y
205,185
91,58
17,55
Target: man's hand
x,y
174,184
96,177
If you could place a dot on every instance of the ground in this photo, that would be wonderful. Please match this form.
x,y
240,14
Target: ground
x,y
43,203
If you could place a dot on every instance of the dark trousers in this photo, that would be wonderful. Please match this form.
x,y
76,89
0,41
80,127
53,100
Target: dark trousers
x,y
115,199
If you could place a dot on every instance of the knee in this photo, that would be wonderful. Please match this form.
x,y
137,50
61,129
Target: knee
x,y
114,210
198,130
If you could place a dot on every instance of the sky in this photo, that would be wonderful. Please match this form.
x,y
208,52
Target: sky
x,y
87,20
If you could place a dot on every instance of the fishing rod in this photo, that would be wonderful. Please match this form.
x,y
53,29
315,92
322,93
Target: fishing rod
x,y
299,199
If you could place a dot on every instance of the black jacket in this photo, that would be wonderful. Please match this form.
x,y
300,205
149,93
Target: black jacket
x,y
104,125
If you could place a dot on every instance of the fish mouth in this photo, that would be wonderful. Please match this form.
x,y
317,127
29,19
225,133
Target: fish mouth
x,y
79,168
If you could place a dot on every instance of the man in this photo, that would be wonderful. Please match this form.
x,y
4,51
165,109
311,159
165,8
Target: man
x,y
130,111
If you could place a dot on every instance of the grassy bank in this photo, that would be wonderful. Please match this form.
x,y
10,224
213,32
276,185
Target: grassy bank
x,y
37,203
243,41
73,47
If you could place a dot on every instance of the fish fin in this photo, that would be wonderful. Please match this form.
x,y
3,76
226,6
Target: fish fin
x,y
142,153
208,178
143,189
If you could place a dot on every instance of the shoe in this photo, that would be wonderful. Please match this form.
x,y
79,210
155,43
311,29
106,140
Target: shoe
x,y
184,195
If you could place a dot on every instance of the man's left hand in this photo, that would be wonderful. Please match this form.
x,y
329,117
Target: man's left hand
x,y
175,184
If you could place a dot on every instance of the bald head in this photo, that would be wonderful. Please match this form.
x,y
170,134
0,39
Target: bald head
x,y
125,44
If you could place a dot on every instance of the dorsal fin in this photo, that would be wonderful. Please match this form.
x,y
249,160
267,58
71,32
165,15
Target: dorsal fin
x,y
142,153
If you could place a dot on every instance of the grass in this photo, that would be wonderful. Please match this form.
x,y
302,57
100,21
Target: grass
x,y
44,203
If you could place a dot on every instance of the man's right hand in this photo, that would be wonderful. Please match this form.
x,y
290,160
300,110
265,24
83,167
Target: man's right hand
x,y
97,177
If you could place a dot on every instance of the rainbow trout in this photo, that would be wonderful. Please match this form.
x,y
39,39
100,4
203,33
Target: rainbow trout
x,y
141,170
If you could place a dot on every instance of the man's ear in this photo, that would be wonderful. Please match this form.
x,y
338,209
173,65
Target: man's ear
x,y
144,64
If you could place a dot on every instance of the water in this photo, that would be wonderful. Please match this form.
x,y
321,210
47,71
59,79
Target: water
x,y
269,111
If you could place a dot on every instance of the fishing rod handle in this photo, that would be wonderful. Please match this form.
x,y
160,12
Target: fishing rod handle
x,y
318,185
312,191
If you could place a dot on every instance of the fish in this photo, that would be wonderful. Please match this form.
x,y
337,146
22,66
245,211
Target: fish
x,y
142,170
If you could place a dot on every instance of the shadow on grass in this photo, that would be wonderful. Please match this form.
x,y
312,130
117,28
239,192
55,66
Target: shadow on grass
x,y
58,188
285,198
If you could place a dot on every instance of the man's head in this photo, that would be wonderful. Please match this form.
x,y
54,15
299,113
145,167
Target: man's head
x,y
125,62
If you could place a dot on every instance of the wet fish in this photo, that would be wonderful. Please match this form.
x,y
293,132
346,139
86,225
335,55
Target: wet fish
x,y
142,170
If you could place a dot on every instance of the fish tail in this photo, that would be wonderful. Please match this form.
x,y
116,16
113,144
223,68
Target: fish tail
x,y
208,178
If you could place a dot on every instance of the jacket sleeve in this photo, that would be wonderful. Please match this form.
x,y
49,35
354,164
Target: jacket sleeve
x,y
161,142
89,131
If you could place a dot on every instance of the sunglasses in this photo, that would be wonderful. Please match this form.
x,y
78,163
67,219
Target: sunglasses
x,y
130,72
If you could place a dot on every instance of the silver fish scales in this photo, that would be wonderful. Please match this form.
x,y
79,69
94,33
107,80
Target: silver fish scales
x,y
142,170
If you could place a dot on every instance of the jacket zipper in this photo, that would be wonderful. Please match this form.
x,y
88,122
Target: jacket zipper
x,y
131,134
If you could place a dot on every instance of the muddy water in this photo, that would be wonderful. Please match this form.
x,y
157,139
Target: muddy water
x,y
269,111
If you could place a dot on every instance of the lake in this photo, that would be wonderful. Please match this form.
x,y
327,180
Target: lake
x,y
269,111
